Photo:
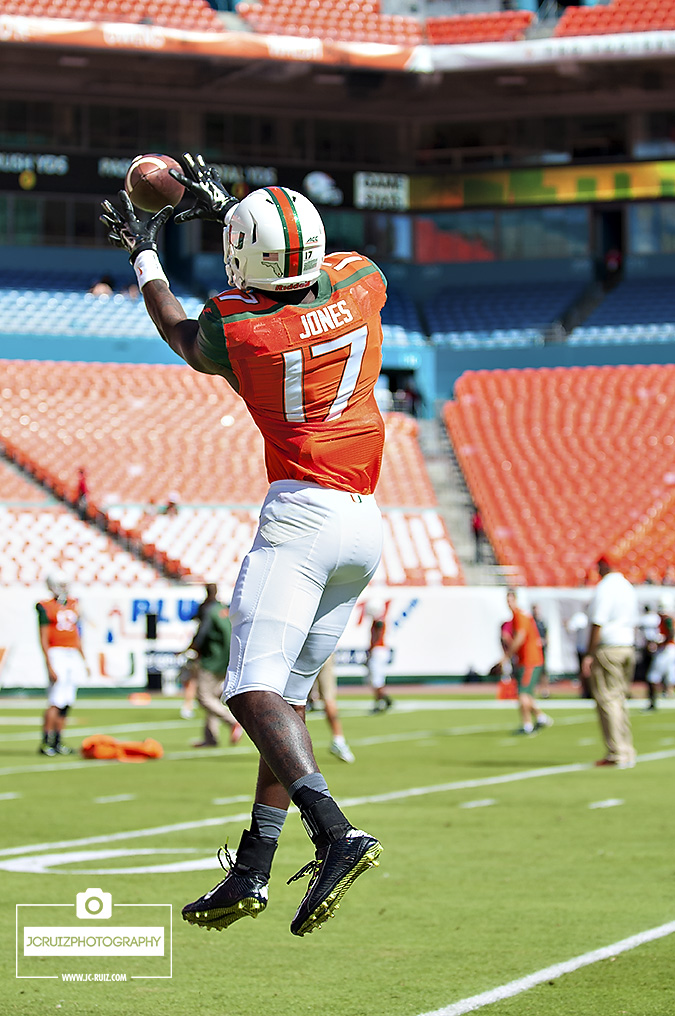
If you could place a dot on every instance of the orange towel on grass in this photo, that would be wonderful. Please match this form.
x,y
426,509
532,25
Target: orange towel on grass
x,y
102,746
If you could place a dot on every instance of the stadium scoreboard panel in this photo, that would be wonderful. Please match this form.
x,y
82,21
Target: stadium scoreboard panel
x,y
60,173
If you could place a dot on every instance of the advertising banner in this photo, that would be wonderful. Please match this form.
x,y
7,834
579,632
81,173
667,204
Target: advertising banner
x,y
432,633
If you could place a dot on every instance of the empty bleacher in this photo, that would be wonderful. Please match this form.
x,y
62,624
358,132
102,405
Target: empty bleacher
x,y
618,17
34,541
636,310
492,26
570,463
75,312
148,434
342,20
16,489
186,15
499,315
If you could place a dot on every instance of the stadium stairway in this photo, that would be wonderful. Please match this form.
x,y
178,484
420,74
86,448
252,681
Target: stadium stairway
x,y
455,505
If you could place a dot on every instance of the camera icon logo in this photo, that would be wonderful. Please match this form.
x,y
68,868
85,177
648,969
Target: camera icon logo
x,y
93,905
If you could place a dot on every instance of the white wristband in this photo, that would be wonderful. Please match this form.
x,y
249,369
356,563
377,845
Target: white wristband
x,y
148,268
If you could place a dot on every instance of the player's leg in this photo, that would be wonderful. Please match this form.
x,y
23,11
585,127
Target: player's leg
x,y
302,542
540,718
274,604
523,676
243,892
655,677
49,726
188,680
71,676
64,663
377,675
209,689
342,853
326,682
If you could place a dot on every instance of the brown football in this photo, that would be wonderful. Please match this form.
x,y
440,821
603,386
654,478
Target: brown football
x,y
149,183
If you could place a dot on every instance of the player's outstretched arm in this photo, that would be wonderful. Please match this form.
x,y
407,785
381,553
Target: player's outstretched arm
x,y
139,238
203,183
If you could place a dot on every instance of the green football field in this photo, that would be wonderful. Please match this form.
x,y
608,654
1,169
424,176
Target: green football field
x,y
515,878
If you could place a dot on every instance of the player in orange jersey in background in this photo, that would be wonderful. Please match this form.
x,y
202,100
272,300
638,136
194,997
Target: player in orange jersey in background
x,y
59,620
378,659
298,336
525,650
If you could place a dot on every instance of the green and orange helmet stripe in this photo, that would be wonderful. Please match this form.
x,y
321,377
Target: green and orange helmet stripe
x,y
292,230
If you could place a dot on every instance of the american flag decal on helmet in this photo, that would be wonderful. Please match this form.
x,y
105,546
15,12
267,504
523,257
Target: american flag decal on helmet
x,y
292,230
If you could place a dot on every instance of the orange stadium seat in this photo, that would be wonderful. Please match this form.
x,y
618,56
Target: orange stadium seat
x,y
185,14
496,26
147,434
345,20
35,539
568,463
619,16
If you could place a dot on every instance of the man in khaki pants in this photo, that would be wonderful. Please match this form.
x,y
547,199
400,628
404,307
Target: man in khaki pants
x,y
212,646
609,663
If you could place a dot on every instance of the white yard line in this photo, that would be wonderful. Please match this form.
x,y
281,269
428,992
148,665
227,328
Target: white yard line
x,y
115,799
475,1002
173,756
610,802
352,802
485,802
73,731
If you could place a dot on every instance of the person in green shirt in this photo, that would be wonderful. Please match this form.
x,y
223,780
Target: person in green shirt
x,y
211,645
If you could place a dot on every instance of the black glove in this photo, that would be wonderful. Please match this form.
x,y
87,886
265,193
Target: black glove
x,y
203,183
126,230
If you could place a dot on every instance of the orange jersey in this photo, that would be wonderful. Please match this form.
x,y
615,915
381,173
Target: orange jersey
x,y
530,653
377,634
307,373
666,630
61,620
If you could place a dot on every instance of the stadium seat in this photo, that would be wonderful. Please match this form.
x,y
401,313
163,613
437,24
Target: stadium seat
x,y
497,316
148,434
198,14
570,463
34,540
619,16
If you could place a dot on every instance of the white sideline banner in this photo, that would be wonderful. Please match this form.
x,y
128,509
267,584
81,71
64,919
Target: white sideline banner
x,y
445,631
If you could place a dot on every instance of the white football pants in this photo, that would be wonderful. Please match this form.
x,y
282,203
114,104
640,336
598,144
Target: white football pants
x,y
314,551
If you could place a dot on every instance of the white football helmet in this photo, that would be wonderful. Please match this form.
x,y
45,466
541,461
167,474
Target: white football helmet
x,y
57,584
274,240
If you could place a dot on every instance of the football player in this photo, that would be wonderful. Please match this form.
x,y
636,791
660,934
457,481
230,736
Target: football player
x,y
59,620
298,336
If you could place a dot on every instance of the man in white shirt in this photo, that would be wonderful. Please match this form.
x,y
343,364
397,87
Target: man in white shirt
x,y
609,663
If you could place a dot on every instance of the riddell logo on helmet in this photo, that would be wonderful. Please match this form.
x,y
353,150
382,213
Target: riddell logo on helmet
x,y
293,285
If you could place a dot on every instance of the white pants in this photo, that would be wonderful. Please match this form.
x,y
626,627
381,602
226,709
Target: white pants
x,y
70,671
662,668
377,666
314,551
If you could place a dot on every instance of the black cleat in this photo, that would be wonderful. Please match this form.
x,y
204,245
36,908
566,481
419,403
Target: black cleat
x,y
241,894
62,749
47,749
333,871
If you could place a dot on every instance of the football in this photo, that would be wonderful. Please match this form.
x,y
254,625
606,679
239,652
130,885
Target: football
x,y
150,185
